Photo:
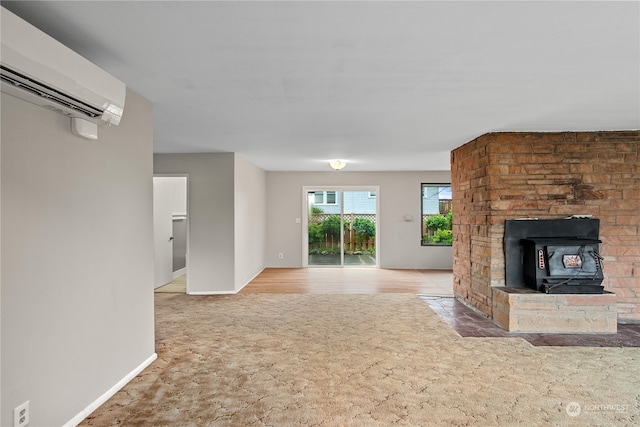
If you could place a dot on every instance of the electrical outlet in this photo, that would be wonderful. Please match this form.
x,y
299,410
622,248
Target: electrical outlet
x,y
21,415
280,255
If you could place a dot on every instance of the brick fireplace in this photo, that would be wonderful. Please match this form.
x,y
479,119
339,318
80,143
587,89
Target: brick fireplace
x,y
501,176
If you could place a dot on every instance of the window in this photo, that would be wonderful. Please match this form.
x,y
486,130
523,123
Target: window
x,y
437,214
331,198
325,198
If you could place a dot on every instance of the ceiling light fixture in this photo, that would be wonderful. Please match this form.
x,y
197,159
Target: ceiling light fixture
x,y
337,164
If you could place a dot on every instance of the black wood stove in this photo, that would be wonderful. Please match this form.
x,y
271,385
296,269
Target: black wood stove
x,y
563,265
554,256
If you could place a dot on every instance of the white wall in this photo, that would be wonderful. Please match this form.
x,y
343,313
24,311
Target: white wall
x,y
176,189
400,194
210,217
250,221
226,214
77,258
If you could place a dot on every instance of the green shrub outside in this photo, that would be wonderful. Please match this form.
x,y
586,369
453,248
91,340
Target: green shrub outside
x,y
331,226
364,228
315,233
440,225
443,236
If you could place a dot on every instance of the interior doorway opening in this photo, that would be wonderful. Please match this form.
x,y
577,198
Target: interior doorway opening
x,y
171,233
341,227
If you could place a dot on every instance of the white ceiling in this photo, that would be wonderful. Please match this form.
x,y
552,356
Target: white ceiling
x,y
384,85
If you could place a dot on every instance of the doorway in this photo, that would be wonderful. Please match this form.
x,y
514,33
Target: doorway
x,y
170,225
341,227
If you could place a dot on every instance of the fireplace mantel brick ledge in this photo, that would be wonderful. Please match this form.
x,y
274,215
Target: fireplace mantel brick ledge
x,y
525,310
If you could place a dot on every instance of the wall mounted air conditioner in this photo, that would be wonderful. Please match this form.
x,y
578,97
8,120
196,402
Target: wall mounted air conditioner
x,y
41,70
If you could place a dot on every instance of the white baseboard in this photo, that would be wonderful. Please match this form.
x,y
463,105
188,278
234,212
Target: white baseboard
x,y
211,293
73,422
225,292
179,273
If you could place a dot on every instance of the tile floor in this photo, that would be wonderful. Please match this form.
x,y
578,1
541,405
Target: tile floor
x,y
469,323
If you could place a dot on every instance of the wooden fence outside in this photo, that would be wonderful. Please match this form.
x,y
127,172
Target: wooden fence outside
x,y
351,243
445,206
317,218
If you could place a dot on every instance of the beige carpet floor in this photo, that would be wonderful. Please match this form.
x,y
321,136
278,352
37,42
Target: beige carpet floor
x,y
360,360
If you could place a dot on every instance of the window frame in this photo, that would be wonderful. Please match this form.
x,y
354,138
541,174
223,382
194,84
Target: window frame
x,y
325,194
423,214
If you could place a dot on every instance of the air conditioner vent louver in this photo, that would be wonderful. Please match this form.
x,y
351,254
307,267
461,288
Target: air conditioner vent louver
x,y
40,89
39,69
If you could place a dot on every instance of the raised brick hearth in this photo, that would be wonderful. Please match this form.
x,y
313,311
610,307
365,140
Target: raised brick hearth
x,y
502,176
525,310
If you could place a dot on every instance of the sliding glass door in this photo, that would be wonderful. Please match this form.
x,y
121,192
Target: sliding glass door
x,y
341,227
325,222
